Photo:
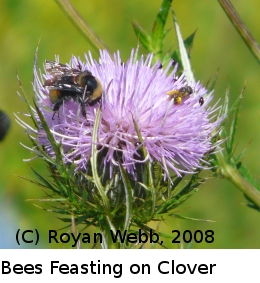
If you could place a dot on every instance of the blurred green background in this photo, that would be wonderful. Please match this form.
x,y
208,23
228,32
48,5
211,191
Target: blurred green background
x,y
217,46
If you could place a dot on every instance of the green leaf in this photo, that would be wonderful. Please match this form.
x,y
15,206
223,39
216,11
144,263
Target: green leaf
x,y
40,151
235,109
247,176
65,190
45,183
143,37
233,127
128,201
188,190
191,218
176,55
136,52
80,24
64,200
188,42
94,161
50,137
24,96
210,85
35,182
183,52
158,32
241,28
150,180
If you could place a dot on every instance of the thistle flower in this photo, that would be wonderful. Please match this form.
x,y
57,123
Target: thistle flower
x,y
126,156
134,93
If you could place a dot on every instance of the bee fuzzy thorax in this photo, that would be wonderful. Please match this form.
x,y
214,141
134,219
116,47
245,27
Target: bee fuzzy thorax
x,y
94,88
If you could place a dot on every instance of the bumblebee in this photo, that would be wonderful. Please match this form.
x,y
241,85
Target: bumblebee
x,y
201,101
68,83
179,94
5,124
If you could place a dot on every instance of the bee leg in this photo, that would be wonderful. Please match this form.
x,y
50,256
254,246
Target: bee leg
x,y
177,100
82,103
54,112
58,116
56,107
83,109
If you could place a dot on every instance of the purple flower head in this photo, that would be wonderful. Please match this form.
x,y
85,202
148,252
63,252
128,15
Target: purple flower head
x,y
176,127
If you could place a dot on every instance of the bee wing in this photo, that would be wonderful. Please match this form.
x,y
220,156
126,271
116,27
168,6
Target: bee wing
x,y
70,89
58,70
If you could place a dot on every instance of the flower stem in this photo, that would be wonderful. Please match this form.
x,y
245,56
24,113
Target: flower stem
x,y
241,28
81,24
233,175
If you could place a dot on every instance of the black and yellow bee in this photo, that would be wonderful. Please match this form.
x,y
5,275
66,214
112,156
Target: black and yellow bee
x,y
5,123
68,83
179,94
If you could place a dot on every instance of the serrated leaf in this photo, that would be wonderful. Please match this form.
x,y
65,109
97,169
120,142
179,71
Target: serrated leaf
x,y
236,103
185,193
247,176
143,37
233,127
236,160
33,182
210,85
188,42
251,205
158,32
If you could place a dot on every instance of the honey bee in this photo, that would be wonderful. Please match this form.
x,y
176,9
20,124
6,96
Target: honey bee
x,y
68,83
179,94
